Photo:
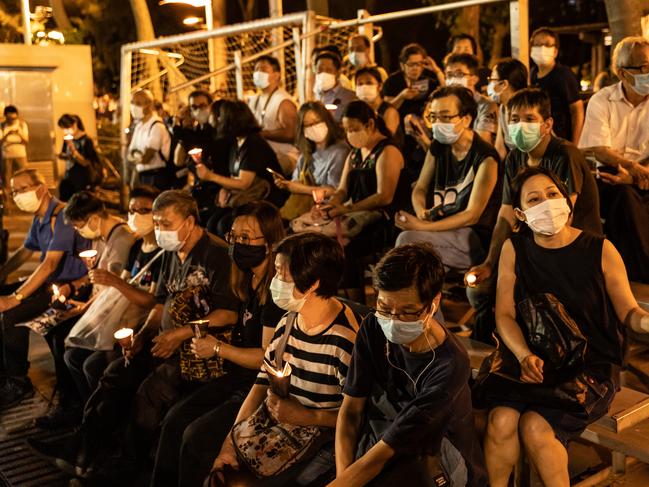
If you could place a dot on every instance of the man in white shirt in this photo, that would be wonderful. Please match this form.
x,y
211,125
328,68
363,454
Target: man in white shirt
x,y
276,112
615,135
15,136
150,145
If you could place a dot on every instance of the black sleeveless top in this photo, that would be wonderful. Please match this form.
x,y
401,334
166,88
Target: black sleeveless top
x,y
362,183
399,137
573,274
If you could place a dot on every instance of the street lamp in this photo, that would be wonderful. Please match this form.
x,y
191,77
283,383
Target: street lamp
x,y
189,21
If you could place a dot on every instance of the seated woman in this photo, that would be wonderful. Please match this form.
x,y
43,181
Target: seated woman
x,y
322,155
250,160
371,181
318,347
81,160
85,363
368,89
187,447
548,255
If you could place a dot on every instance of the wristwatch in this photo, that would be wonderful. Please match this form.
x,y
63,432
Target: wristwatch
x,y
19,297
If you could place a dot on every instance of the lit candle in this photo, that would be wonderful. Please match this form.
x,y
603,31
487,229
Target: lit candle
x,y
68,137
471,279
196,154
331,106
124,337
57,293
89,257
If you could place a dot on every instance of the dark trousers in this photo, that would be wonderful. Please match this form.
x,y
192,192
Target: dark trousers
x,y
76,179
14,341
483,300
194,429
161,178
68,394
413,468
86,368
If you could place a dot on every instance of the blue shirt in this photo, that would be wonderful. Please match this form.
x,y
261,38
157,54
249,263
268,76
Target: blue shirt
x,y
63,239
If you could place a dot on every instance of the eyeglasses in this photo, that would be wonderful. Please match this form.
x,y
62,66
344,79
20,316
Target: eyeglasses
x,y
456,74
414,64
232,238
140,211
199,107
403,316
432,117
644,69
495,80
23,190
547,44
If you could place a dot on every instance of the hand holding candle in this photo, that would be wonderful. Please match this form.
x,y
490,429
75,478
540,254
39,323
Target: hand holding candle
x,y
89,258
471,279
124,337
196,154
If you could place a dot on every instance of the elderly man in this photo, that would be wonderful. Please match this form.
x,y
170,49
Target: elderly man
x,y
615,135
58,245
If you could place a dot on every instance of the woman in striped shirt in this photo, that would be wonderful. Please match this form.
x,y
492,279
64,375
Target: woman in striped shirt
x,y
318,348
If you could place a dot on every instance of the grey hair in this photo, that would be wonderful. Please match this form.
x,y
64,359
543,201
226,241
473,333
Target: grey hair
x,y
35,176
623,50
182,202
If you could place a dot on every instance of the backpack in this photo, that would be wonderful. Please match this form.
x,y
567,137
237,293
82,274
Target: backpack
x,y
177,173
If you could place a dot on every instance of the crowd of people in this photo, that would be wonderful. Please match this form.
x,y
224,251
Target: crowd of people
x,y
221,334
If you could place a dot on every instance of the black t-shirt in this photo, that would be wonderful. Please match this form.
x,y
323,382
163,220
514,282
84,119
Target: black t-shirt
x,y
247,333
137,259
562,87
420,416
396,83
256,155
452,184
567,162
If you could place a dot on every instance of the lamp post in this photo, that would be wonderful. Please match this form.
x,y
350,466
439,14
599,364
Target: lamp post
x,y
27,26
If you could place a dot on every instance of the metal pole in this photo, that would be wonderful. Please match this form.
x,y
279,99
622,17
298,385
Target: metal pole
x,y
209,24
238,74
275,10
520,31
27,26
308,46
299,72
124,119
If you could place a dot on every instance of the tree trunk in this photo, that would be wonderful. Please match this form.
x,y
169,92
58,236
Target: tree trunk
x,y
500,31
145,32
60,15
468,22
220,48
320,7
624,17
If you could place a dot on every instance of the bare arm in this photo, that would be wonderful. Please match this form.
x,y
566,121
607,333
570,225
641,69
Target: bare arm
x,y
240,182
365,468
180,155
42,272
500,144
577,120
17,259
340,196
503,229
392,120
421,187
388,169
139,297
287,117
348,429
250,358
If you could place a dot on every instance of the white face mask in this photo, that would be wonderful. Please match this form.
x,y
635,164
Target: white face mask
x,y
463,81
141,224
542,55
367,93
491,91
358,139
317,133
201,116
358,59
548,218
324,82
86,232
28,201
282,293
641,84
137,112
445,133
261,79
169,240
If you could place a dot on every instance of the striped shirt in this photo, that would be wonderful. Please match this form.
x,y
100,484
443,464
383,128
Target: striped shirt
x,y
319,362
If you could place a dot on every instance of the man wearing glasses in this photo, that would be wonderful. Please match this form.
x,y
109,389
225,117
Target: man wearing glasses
x,y
59,245
615,136
454,199
406,399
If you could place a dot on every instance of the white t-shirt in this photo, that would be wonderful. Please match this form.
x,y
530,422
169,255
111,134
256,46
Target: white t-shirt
x,y
612,121
151,134
13,146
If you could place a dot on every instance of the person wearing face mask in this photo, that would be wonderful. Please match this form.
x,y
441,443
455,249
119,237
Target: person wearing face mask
x,y
323,151
318,346
82,166
359,56
275,111
58,245
506,78
194,429
368,89
14,134
159,368
410,374
327,87
615,136
149,151
530,128
112,239
456,196
372,181
559,82
462,70
549,256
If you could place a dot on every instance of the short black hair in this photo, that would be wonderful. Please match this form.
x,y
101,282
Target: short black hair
x,y
373,72
469,60
327,48
312,257
361,111
547,31
531,98
10,109
144,191
462,37
514,71
236,119
365,39
82,205
413,265
466,102
409,50
274,63
197,93
335,58
67,120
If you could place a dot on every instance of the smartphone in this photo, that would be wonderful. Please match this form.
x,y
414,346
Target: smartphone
x,y
275,173
420,85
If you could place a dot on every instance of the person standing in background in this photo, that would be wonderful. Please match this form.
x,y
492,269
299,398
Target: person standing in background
x,y
15,136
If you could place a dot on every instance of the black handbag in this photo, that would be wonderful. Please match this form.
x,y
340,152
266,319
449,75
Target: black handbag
x,y
554,336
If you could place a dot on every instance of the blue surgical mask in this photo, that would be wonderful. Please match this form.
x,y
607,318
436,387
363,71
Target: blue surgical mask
x,y
445,133
641,84
526,135
400,332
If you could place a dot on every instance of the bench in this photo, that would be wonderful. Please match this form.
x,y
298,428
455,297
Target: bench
x,y
624,430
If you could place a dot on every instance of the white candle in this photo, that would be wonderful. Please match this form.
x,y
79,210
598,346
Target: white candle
x,y
471,279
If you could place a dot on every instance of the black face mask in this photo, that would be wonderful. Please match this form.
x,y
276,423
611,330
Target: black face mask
x,y
247,256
